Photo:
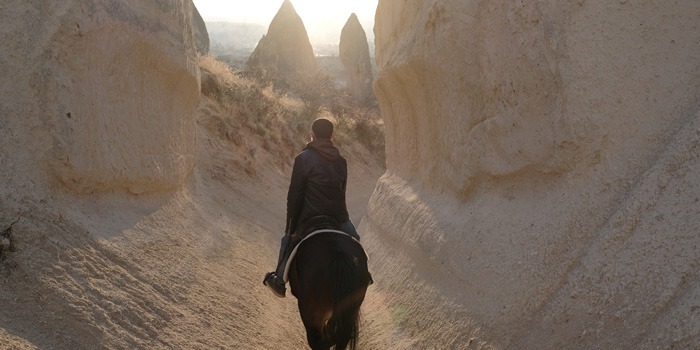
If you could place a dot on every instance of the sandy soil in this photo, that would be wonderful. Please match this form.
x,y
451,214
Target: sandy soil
x,y
171,271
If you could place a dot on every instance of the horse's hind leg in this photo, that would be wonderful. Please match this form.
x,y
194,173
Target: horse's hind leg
x,y
312,336
316,340
314,325
340,346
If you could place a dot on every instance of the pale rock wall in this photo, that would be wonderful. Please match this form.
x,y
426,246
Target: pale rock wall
x,y
100,94
354,54
200,32
543,170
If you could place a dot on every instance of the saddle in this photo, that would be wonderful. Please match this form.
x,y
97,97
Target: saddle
x,y
311,227
285,277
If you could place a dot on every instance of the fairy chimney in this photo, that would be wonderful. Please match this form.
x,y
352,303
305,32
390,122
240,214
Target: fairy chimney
x,y
285,51
354,54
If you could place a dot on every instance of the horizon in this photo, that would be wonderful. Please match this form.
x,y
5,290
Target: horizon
x,y
323,20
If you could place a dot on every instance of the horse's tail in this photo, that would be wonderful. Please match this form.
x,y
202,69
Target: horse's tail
x,y
345,283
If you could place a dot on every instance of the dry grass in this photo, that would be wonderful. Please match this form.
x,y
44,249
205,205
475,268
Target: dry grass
x,y
282,116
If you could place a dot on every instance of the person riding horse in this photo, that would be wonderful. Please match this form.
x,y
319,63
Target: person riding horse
x,y
316,197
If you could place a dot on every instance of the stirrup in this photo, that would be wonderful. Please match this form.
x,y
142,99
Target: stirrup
x,y
267,276
278,289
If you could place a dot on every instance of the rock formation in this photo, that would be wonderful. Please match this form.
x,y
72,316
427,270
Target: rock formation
x,y
354,54
285,51
543,170
201,34
101,95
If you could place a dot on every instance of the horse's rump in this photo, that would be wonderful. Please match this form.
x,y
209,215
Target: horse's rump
x,y
292,254
329,277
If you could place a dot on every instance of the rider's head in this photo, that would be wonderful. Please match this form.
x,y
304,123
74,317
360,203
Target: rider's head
x,y
322,129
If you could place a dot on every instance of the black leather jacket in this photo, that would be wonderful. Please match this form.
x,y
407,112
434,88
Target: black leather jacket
x,y
319,178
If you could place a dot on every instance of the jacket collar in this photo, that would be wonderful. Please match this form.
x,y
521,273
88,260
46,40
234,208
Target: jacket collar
x,y
325,148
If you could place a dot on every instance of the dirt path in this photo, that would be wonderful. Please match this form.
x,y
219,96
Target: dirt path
x,y
231,282
171,271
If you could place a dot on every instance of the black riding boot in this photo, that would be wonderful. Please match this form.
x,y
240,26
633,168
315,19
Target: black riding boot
x,y
275,280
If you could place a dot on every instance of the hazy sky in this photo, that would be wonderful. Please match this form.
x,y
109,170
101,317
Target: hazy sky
x,y
321,17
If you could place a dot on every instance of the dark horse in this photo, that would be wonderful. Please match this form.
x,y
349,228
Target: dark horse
x,y
329,278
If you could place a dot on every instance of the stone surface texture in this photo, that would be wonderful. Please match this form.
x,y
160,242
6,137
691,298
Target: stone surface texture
x,y
100,95
201,34
543,173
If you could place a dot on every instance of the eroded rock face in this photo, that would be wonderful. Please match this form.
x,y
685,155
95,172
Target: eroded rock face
x,y
201,34
285,51
354,54
110,92
543,172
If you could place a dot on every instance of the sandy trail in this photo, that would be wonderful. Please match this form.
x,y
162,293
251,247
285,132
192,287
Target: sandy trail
x,y
171,271
247,312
